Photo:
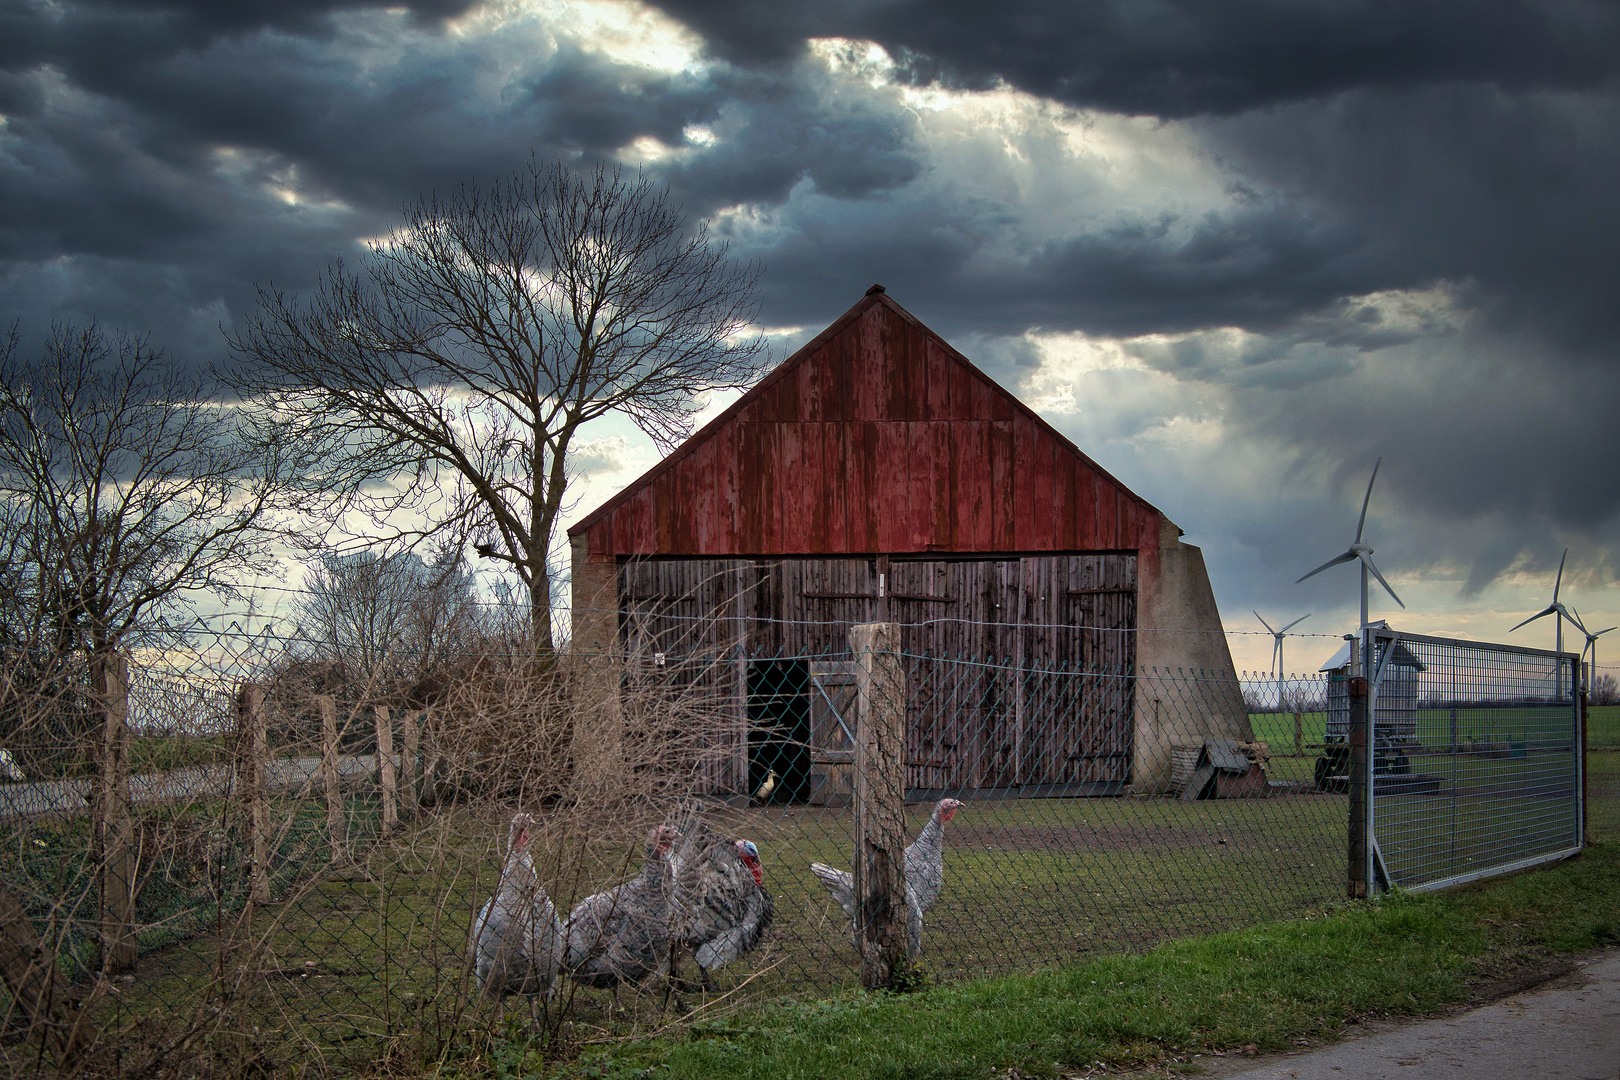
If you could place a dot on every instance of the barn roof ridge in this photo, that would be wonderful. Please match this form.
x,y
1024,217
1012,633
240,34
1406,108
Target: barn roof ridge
x,y
874,296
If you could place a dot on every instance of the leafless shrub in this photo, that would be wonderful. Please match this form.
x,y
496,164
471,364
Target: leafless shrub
x,y
359,957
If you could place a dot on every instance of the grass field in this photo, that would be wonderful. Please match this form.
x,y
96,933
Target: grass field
x,y
1033,885
1603,727
343,963
1268,988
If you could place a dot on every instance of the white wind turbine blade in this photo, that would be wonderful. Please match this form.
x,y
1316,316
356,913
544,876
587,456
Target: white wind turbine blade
x,y
1296,622
1369,564
1276,656
1349,556
1364,501
1559,580
1263,622
1538,615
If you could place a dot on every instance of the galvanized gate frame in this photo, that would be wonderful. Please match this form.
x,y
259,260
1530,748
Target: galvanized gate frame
x,y
1378,650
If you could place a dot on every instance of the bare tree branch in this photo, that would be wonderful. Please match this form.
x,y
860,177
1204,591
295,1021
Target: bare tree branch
x,y
126,489
450,376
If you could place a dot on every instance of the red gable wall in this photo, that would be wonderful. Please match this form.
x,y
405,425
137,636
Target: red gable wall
x,y
877,437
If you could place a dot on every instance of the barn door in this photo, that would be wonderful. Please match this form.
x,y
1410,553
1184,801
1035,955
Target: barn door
x,y
832,732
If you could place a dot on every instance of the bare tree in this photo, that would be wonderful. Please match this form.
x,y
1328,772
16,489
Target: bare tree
x,y
389,621
126,490
478,337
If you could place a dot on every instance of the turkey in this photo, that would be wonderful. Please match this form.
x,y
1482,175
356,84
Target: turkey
x,y
516,943
622,934
720,906
925,875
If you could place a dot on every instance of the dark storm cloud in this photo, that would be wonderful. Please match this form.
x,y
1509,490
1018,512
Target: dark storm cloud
x,y
1177,58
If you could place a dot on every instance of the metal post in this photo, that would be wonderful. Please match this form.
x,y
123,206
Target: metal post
x,y
1369,655
1580,765
880,838
1360,848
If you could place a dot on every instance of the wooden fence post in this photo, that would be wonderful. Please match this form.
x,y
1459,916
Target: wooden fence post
x,y
113,831
411,764
252,752
331,788
385,770
880,783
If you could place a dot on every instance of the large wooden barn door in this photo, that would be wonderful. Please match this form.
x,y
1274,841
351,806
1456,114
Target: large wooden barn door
x,y
1077,661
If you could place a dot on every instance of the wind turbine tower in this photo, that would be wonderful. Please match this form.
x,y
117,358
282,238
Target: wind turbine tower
x,y
1277,651
1560,613
1591,644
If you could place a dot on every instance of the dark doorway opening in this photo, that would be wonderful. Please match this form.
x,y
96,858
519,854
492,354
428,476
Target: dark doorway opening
x,y
779,728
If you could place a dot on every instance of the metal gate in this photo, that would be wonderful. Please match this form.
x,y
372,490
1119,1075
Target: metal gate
x,y
1478,758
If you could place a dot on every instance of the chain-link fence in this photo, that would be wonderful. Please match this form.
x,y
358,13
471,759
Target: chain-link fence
x,y
281,864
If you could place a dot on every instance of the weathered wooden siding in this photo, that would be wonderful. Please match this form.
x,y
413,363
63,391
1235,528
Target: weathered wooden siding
x,y
875,437
1018,668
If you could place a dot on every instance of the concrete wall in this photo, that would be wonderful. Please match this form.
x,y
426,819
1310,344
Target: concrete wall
x,y
595,599
597,751
1187,686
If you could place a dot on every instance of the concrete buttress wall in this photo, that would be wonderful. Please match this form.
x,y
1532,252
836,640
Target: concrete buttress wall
x,y
1187,687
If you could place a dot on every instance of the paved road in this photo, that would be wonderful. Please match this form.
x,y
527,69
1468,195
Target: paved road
x,y
70,798
1568,1029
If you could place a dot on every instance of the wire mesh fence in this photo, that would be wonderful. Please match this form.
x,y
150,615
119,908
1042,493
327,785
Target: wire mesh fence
x,y
284,863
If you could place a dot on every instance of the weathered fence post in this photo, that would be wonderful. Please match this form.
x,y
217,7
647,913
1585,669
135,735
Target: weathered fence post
x,y
1299,733
385,770
1360,784
880,783
113,831
252,752
331,789
412,762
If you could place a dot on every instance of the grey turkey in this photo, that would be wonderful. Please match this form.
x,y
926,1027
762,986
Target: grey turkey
x,y
517,944
721,908
622,934
925,875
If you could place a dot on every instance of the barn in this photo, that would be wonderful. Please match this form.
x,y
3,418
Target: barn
x,y
878,475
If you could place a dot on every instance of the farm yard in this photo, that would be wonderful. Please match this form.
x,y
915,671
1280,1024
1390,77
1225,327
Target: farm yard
x,y
357,952
349,961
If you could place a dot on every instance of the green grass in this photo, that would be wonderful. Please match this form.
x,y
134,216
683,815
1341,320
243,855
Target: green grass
x,y
354,960
1266,986
1277,730
1603,727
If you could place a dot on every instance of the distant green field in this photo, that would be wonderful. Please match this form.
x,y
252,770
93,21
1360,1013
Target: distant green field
x,y
1603,727
1277,730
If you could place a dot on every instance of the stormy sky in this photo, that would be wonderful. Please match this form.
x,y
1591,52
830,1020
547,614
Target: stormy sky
x,y
1237,251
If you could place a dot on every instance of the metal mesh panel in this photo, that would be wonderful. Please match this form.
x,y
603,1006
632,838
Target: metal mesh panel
x,y
1478,762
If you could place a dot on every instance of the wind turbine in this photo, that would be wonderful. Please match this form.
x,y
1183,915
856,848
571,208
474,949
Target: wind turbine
x,y
1591,642
1277,650
1363,553
1560,613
